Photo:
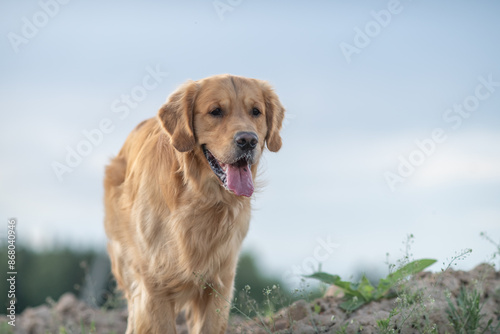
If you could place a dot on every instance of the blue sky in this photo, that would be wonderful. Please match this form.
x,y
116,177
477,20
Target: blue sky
x,y
350,120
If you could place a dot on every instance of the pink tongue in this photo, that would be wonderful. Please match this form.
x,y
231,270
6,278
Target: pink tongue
x,y
239,180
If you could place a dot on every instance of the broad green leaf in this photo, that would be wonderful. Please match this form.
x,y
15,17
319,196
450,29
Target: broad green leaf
x,y
324,277
383,287
335,280
365,288
359,294
351,304
347,287
385,284
354,293
410,269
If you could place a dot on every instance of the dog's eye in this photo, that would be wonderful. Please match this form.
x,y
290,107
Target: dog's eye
x,y
256,112
217,112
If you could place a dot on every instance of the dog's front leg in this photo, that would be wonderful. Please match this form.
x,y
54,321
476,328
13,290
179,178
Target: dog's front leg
x,y
149,314
209,312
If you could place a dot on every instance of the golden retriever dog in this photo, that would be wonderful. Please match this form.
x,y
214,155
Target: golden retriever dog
x,y
177,200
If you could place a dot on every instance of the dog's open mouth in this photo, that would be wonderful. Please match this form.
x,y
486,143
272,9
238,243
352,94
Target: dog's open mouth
x,y
236,177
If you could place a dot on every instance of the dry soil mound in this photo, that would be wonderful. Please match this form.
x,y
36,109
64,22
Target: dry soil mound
x,y
422,308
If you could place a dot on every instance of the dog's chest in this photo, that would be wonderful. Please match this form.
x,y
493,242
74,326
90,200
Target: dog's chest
x,y
210,237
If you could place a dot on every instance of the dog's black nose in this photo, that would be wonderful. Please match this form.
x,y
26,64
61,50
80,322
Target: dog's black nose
x,y
246,140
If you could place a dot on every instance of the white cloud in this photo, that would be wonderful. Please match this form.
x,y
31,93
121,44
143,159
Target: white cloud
x,y
469,157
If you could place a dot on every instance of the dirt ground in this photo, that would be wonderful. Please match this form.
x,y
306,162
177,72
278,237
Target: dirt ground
x,y
421,309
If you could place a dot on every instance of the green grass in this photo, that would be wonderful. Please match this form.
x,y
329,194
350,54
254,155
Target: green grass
x,y
465,313
413,307
5,328
359,294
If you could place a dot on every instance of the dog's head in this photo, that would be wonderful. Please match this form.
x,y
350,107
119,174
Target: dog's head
x,y
227,119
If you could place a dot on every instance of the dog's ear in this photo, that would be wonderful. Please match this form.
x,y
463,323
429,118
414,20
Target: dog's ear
x,y
275,112
176,116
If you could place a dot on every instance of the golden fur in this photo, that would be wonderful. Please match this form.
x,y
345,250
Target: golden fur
x,y
173,228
